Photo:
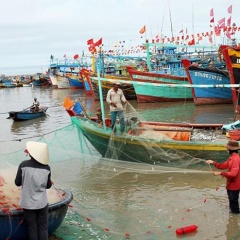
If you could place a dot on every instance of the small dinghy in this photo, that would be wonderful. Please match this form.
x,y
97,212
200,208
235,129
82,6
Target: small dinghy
x,y
27,114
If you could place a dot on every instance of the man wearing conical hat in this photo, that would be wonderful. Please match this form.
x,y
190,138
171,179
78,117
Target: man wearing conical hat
x,y
232,174
34,176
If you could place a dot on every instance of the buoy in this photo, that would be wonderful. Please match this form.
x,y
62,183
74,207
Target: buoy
x,y
186,229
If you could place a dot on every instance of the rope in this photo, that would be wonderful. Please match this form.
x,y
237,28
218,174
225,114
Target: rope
x,y
34,136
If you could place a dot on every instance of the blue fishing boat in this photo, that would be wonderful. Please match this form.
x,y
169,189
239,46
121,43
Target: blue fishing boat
x,y
75,82
208,76
14,226
27,114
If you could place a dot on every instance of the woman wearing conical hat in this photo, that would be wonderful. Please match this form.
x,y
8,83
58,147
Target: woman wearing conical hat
x,y
34,176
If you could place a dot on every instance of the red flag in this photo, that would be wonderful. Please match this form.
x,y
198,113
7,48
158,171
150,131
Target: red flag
x,y
229,22
75,56
217,30
99,42
192,42
229,10
90,41
210,39
228,34
142,30
211,13
221,23
212,20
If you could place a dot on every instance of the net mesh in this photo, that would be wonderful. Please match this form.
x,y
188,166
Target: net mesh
x,y
116,199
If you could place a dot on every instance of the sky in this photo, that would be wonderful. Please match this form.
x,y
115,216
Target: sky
x,y
33,30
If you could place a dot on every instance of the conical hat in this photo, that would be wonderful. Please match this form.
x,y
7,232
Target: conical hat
x,y
39,151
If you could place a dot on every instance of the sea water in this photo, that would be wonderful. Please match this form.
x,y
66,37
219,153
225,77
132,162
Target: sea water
x,y
123,200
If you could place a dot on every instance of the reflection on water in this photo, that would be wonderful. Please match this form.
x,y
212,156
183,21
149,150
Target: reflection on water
x,y
145,201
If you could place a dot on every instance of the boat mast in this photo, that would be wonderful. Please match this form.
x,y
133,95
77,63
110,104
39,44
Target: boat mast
x,y
170,19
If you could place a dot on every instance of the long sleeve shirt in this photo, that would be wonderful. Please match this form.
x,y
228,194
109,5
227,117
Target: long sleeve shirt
x,y
115,97
233,172
34,178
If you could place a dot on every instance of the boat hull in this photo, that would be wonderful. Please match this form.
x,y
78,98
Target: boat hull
x,y
75,82
207,76
232,59
14,226
151,93
139,149
27,114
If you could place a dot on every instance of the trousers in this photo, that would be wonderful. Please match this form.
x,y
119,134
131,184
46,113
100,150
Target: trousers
x,y
37,222
233,196
120,115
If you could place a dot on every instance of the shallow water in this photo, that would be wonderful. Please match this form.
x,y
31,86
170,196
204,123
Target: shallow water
x,y
126,200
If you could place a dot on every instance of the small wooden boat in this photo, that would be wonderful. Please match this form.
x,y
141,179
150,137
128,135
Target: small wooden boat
x,y
14,226
27,114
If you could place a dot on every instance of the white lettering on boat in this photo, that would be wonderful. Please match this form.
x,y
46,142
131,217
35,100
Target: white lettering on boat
x,y
208,75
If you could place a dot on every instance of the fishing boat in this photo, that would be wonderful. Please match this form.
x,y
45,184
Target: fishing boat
x,y
27,114
151,142
163,94
231,56
14,227
91,85
199,75
75,81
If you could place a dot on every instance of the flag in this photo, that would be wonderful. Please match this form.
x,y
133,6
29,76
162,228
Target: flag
x,y
181,31
99,42
228,34
229,10
210,39
142,30
90,41
229,22
221,23
64,55
75,56
212,20
217,30
211,13
192,42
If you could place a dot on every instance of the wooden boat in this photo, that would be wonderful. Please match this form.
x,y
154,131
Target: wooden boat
x,y
14,227
154,142
153,94
75,81
208,76
231,56
151,142
92,88
27,114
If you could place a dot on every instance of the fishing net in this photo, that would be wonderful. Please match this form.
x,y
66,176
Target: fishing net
x,y
115,199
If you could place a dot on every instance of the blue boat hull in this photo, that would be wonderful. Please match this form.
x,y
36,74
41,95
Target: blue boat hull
x,y
14,226
75,83
208,76
27,114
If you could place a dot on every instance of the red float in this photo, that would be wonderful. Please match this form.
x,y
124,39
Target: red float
x,y
186,229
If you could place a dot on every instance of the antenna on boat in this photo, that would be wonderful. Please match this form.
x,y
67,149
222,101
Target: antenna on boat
x,y
170,19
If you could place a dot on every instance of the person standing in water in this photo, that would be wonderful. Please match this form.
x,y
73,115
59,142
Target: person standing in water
x,y
232,164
